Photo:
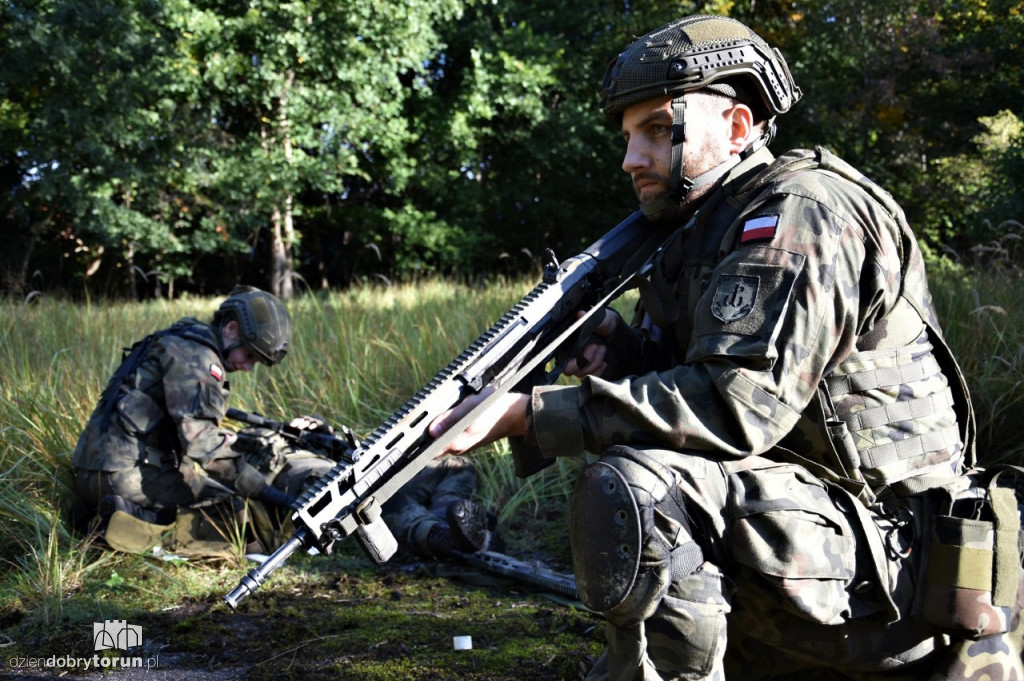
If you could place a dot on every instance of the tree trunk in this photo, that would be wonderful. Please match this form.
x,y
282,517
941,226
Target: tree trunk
x,y
280,252
283,238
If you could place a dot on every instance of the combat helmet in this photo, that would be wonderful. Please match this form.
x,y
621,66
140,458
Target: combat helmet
x,y
697,52
700,52
263,321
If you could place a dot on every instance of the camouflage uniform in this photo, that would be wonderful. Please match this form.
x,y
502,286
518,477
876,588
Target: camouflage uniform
x,y
421,505
790,421
161,445
283,464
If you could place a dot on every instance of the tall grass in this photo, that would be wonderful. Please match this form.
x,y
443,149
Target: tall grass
x,y
983,318
356,356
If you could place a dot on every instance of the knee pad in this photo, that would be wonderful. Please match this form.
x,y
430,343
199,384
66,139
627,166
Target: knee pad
x,y
630,535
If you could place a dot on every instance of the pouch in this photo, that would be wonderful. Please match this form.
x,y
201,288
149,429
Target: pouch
x,y
139,413
974,562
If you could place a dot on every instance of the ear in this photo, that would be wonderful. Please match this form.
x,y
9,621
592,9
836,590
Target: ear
x,y
741,126
229,332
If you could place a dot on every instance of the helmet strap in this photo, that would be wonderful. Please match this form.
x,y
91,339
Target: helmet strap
x,y
763,141
684,185
681,184
667,205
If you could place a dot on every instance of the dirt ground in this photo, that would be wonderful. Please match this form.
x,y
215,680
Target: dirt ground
x,y
364,623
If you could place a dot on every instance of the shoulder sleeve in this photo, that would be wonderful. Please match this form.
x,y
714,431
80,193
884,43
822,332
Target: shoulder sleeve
x,y
196,394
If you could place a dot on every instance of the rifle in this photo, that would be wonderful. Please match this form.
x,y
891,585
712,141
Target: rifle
x,y
529,572
512,354
334,446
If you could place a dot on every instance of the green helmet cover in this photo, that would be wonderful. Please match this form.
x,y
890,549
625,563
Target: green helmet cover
x,y
264,324
697,52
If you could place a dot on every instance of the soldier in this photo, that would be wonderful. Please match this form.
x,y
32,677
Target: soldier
x,y
434,516
786,441
154,444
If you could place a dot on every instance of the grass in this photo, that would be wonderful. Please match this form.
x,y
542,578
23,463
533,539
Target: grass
x,y
983,320
356,356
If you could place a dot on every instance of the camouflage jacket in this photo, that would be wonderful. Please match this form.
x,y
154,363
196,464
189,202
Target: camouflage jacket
x,y
789,317
169,407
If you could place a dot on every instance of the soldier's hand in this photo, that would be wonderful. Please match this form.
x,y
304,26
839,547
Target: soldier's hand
x,y
505,417
316,424
595,359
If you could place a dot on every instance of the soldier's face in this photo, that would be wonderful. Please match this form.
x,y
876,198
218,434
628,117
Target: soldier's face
x,y
647,130
240,358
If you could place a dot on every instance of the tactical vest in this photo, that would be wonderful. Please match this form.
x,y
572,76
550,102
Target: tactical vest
x,y
882,417
129,420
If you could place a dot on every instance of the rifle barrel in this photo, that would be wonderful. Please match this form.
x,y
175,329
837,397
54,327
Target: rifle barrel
x,y
252,581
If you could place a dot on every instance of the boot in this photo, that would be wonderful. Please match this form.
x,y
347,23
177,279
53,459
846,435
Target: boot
x,y
440,543
469,526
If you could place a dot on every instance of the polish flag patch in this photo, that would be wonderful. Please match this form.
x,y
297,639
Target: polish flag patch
x,y
759,229
217,372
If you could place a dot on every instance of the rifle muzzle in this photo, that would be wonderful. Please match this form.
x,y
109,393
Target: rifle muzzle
x,y
254,579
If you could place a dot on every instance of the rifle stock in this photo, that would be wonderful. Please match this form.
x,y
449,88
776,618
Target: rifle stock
x,y
514,351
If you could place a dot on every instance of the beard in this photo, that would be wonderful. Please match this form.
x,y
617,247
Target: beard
x,y
650,192
655,202
658,200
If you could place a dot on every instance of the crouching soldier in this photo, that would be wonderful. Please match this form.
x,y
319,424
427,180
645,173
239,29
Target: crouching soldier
x,y
153,454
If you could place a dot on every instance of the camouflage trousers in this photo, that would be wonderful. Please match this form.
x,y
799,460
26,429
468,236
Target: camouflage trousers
x,y
421,503
163,485
162,482
798,581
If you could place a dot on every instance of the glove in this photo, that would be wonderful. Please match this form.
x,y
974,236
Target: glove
x,y
316,424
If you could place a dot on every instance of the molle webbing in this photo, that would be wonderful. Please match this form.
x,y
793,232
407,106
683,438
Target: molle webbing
x,y
871,379
898,408
911,448
910,410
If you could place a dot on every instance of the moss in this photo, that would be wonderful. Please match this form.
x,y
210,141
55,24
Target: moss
x,y
325,616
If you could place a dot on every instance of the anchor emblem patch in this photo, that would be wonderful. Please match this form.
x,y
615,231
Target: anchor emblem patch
x,y
734,298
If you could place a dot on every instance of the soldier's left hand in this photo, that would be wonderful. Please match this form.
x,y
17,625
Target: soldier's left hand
x,y
316,424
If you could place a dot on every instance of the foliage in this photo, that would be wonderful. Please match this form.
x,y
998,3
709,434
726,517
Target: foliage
x,y
155,147
978,191
902,91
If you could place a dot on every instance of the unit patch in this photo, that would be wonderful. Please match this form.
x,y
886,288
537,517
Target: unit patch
x,y
759,229
734,298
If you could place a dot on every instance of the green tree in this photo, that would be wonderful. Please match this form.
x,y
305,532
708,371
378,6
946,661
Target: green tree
x,y
88,145
196,143
521,156
307,98
899,88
